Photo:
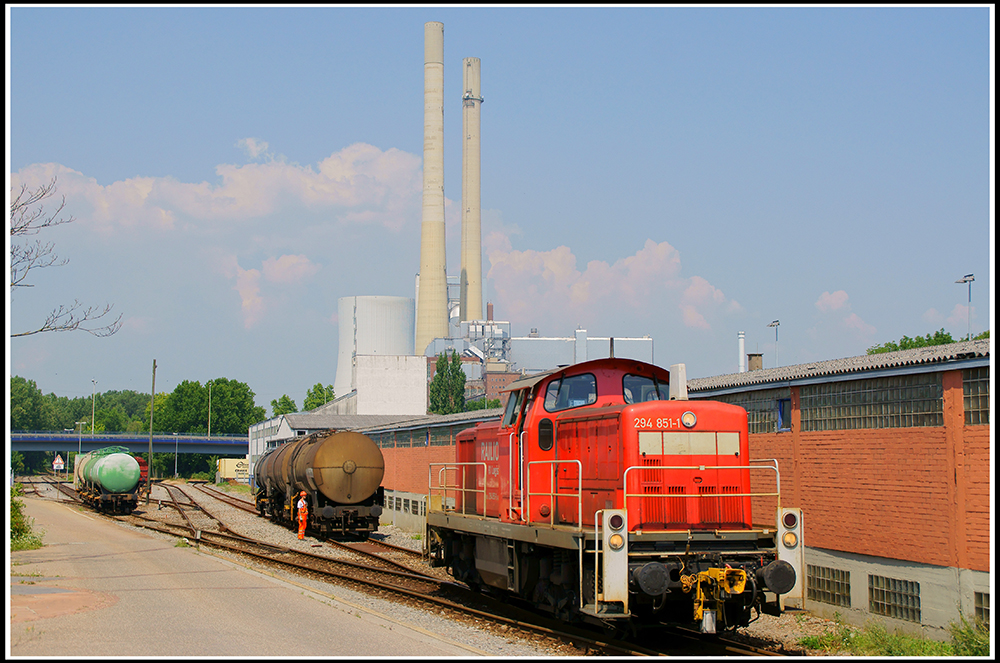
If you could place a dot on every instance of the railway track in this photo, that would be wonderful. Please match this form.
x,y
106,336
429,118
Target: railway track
x,y
376,567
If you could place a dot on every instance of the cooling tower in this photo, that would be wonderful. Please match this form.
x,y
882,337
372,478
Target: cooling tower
x,y
432,294
370,325
471,303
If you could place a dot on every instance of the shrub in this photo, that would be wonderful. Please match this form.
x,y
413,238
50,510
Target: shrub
x,y
21,535
970,638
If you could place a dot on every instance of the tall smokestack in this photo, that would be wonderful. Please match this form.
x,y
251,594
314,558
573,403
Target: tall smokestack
x,y
432,294
471,302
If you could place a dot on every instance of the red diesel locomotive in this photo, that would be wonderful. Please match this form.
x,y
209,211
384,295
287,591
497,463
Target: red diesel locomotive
x,y
602,495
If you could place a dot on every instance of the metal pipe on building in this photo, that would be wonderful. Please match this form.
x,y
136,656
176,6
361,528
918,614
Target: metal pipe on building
x,y
741,336
471,301
432,293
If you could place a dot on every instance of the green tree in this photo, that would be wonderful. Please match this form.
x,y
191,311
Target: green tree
x,y
482,404
940,337
186,411
318,396
26,405
456,383
159,412
233,408
447,389
283,405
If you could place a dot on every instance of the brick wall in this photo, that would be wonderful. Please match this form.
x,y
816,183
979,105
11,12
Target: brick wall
x,y
914,494
406,467
976,475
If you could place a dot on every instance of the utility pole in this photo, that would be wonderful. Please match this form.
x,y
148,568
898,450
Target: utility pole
x,y
149,457
93,405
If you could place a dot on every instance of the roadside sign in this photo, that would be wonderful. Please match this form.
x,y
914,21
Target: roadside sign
x,y
57,464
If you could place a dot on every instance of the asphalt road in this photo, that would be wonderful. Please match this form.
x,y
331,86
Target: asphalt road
x,y
98,589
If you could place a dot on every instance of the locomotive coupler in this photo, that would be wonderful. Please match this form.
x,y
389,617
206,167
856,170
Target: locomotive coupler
x,y
712,588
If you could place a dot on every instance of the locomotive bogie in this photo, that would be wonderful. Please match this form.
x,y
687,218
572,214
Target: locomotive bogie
x,y
595,497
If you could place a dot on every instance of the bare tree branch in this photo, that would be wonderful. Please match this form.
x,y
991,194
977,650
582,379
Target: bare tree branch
x,y
28,217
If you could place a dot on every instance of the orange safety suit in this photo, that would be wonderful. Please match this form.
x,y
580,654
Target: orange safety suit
x,y
303,512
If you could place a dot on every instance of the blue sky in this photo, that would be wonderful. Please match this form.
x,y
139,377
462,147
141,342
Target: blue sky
x,y
686,173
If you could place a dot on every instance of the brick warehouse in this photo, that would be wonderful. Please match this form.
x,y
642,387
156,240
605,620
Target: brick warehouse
x,y
888,456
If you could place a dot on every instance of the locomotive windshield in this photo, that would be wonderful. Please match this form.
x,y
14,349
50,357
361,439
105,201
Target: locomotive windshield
x,y
572,391
638,389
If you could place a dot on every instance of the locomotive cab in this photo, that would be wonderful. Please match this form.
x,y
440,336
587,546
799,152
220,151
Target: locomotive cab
x,y
595,496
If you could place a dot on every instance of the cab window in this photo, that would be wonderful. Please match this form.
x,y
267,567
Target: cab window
x,y
639,388
573,391
513,406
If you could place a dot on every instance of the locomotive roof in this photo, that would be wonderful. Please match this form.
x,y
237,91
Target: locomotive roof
x,y
535,378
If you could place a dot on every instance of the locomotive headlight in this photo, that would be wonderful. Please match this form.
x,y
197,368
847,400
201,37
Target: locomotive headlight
x,y
616,521
616,541
689,419
790,539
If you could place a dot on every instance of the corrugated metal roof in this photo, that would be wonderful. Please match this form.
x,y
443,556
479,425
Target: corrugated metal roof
x,y
322,421
473,417
935,354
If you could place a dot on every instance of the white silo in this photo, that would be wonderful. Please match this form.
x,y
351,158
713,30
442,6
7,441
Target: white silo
x,y
371,325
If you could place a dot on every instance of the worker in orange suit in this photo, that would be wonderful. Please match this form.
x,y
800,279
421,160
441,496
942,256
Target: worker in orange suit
x,y
303,512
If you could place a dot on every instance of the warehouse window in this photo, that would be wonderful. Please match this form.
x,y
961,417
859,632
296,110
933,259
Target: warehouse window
x,y
891,597
976,390
784,414
983,608
900,401
762,406
828,585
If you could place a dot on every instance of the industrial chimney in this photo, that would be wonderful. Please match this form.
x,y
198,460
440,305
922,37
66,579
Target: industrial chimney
x,y
432,291
471,298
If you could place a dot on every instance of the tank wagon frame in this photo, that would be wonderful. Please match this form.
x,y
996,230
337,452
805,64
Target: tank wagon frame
x,y
108,479
596,497
341,473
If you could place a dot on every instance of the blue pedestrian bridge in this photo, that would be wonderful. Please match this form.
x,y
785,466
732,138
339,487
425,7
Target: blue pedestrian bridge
x,y
217,445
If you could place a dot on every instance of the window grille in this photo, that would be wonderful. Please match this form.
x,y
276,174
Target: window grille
x,y
828,585
983,608
762,407
441,436
976,390
900,401
891,597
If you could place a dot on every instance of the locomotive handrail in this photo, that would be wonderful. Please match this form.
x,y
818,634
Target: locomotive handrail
x,y
553,493
444,487
774,466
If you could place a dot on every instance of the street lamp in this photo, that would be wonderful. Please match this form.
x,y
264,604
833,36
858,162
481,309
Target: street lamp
x,y
79,445
775,325
968,278
210,408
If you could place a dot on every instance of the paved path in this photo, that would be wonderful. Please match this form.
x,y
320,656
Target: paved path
x,y
99,589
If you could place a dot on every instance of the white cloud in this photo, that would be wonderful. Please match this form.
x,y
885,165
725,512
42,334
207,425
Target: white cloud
x,y
254,147
359,184
289,269
854,323
546,286
832,302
